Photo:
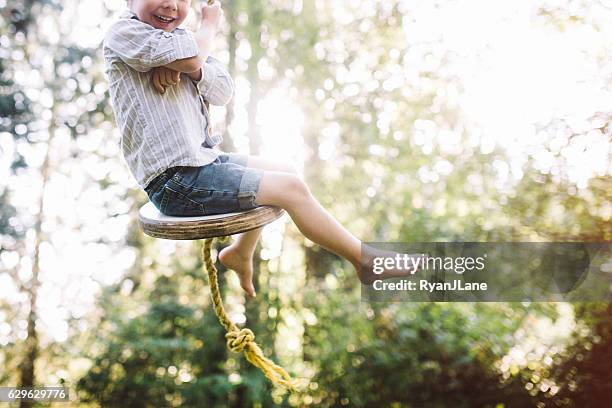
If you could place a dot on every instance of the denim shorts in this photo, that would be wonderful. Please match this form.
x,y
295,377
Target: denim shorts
x,y
223,186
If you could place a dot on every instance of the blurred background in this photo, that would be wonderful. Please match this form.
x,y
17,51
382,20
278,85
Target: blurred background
x,y
410,120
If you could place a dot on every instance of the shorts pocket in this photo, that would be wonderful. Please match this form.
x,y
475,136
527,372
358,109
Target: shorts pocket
x,y
177,204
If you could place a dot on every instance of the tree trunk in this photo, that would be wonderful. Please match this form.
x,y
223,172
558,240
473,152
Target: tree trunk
x,y
27,374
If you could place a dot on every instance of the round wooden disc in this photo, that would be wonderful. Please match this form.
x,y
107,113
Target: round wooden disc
x,y
158,225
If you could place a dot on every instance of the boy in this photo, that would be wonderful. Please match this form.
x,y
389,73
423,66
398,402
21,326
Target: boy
x,y
160,76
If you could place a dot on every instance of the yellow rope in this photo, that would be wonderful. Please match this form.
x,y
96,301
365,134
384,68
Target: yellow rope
x,y
241,339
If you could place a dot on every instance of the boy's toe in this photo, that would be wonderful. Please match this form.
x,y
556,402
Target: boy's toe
x,y
248,288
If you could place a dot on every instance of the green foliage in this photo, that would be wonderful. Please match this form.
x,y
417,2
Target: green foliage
x,y
412,355
170,355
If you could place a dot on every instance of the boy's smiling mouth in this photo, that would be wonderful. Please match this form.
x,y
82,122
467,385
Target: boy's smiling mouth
x,y
164,19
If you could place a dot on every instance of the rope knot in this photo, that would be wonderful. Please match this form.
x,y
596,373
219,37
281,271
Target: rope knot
x,y
237,340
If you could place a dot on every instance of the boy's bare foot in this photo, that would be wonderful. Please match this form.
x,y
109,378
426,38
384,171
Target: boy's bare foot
x,y
406,265
242,265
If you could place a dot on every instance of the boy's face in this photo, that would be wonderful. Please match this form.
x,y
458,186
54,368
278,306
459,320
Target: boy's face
x,y
163,14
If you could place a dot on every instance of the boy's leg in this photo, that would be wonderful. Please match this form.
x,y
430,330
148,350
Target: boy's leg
x,y
289,192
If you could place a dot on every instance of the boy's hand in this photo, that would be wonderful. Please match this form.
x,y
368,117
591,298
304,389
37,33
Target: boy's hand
x,y
211,14
164,77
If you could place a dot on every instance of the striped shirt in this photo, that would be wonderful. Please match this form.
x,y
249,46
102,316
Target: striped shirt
x,y
159,131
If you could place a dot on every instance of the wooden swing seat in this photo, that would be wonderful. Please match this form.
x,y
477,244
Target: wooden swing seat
x,y
158,225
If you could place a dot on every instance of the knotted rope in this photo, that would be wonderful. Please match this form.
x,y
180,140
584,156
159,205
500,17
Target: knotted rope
x,y
241,339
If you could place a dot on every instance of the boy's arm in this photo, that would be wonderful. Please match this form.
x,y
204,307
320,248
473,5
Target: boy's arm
x,y
186,65
204,40
143,47
213,82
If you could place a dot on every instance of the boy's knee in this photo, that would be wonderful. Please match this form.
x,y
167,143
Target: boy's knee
x,y
298,187
282,189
